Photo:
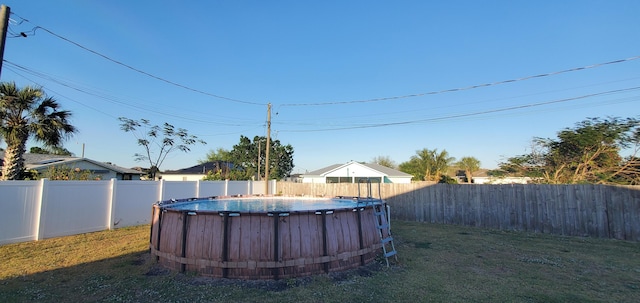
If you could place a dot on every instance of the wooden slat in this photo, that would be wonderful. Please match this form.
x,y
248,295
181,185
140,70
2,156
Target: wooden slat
x,y
296,236
244,244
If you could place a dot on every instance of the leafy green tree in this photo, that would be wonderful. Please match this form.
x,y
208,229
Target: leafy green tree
x,y
447,180
384,161
157,141
68,173
28,113
428,165
225,173
250,157
630,174
469,165
224,170
220,154
39,150
214,175
54,150
587,153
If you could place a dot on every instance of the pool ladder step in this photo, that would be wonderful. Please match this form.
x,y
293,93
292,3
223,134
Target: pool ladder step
x,y
384,230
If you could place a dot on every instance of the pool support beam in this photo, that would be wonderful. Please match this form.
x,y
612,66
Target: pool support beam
x,y
360,239
225,242
185,218
160,212
276,242
325,249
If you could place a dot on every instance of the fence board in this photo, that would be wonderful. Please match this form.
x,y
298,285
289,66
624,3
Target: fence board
x,y
598,224
579,210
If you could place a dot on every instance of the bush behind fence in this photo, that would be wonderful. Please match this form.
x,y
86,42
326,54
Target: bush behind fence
x,y
575,210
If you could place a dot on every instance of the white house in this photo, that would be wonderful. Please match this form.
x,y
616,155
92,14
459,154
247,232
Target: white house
x,y
105,171
354,172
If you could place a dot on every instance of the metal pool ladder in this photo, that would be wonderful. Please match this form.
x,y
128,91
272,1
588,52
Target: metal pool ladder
x,y
382,221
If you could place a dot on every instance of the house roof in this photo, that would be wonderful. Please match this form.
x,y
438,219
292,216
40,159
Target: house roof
x,y
39,161
323,171
200,169
390,172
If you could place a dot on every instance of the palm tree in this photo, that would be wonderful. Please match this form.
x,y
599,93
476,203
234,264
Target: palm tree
x,y
428,165
469,165
25,113
438,163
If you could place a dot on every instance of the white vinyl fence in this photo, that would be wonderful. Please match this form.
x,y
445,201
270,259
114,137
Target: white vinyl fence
x,y
34,210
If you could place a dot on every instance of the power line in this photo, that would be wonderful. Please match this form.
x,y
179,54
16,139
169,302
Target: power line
x,y
110,99
115,118
464,115
33,32
388,112
464,88
59,94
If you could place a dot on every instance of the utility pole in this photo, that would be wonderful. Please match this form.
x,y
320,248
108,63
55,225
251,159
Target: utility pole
x,y
5,11
259,150
266,162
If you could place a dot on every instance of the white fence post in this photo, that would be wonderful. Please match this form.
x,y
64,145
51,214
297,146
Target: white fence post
x,y
41,209
226,187
197,189
161,190
112,203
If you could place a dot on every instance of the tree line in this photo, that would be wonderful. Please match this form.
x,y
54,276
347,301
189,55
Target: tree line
x,y
249,160
590,152
28,113
433,165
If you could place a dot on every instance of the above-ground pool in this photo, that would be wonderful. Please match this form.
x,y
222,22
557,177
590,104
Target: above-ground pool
x,y
265,237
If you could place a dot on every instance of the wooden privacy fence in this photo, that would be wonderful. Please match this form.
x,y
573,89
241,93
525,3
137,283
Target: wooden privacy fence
x,y
575,210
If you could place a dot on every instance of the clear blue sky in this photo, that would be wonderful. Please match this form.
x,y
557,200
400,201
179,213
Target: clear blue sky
x,y
314,60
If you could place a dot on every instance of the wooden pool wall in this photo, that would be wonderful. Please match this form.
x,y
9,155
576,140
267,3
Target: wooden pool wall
x,y
263,245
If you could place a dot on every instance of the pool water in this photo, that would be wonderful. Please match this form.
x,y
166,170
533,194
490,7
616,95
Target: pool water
x,y
269,204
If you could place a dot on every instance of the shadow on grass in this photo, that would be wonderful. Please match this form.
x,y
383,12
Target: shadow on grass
x,y
136,277
84,282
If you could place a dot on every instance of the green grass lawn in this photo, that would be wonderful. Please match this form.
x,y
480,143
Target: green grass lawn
x,y
437,263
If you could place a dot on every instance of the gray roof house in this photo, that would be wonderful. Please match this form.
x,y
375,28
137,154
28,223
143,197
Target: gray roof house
x,y
353,172
197,172
42,162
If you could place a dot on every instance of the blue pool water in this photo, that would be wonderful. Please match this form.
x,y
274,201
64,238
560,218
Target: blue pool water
x,y
269,204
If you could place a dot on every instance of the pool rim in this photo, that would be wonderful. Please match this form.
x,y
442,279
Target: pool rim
x,y
171,204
